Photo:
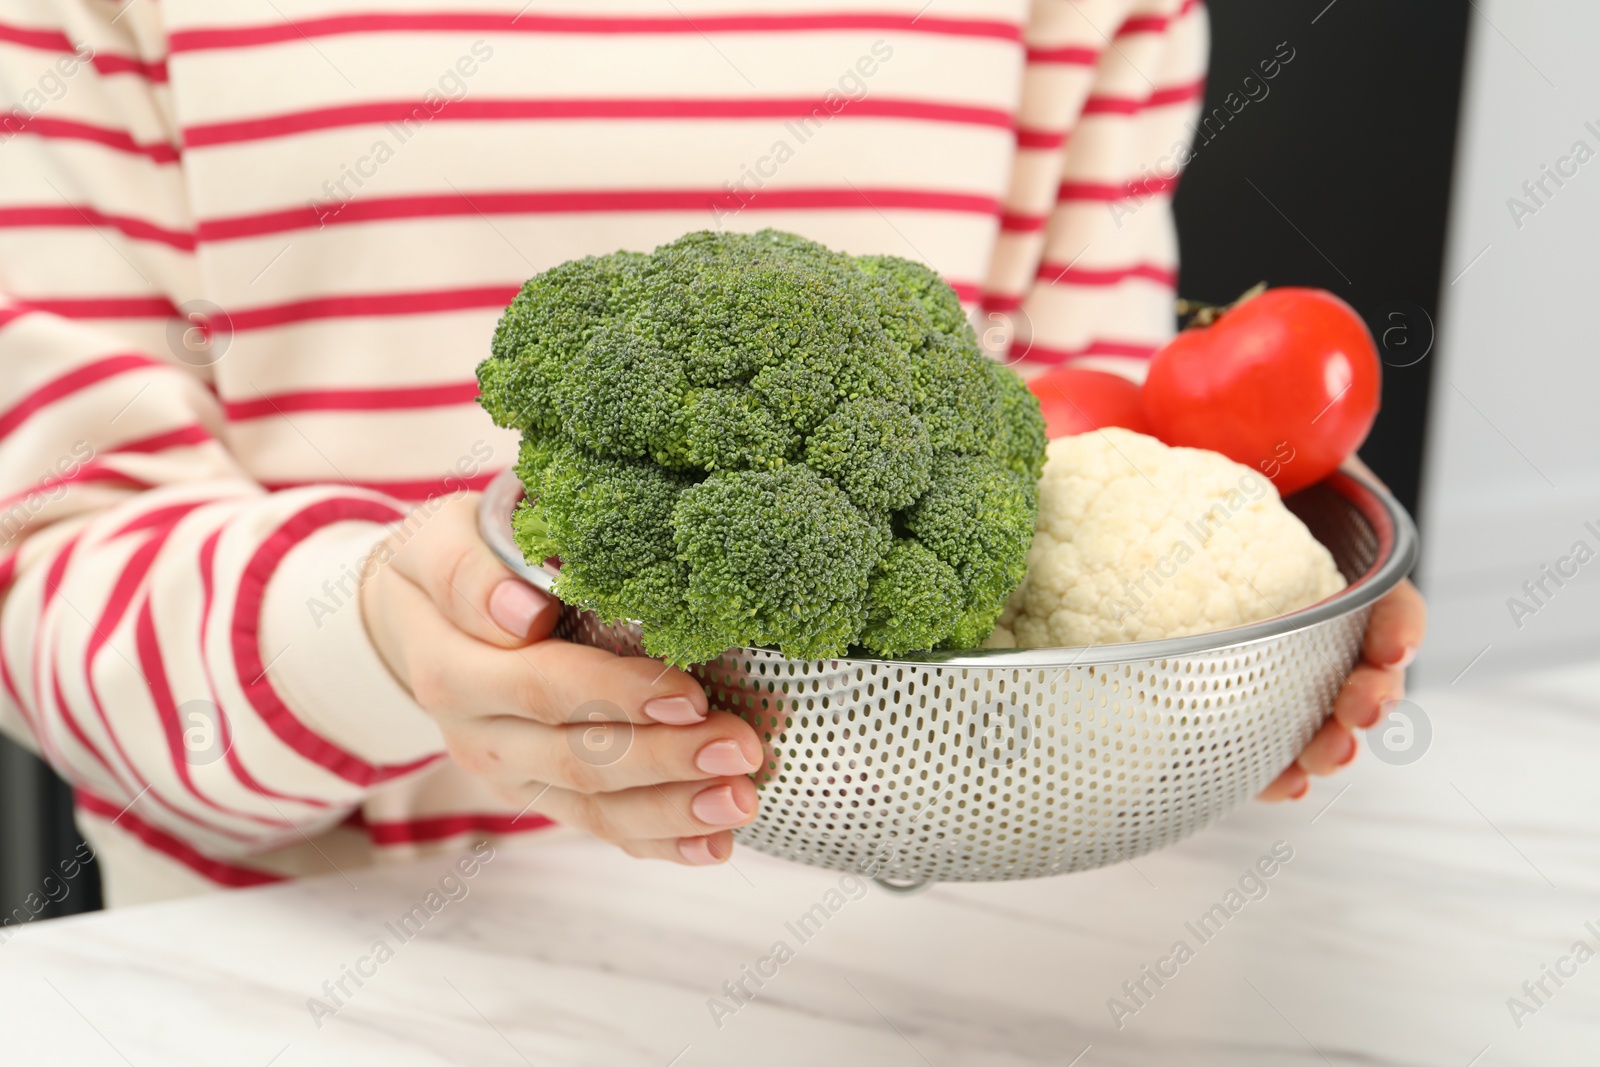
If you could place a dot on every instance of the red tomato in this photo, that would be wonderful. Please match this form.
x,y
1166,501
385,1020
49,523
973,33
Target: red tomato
x,y
1074,399
1287,383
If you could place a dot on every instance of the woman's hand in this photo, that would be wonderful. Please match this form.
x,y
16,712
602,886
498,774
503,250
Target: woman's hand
x,y
1394,634
620,747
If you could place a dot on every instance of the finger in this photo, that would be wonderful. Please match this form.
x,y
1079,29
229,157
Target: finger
x,y
441,553
553,682
604,756
707,851
1397,626
678,809
1332,747
638,689
1292,784
1360,703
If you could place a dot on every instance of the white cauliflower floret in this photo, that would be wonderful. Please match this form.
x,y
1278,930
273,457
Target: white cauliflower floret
x,y
1138,541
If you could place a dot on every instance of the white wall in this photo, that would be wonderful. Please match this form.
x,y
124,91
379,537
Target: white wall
x,y
1510,485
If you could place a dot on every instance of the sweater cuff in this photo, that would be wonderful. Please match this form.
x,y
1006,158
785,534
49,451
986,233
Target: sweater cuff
x,y
330,673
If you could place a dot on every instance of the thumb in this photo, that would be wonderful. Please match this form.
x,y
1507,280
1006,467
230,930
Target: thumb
x,y
440,552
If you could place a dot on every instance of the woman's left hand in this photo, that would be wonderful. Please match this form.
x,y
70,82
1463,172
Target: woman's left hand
x,y
1393,635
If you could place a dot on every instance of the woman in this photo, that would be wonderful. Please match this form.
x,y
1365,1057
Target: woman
x,y
247,266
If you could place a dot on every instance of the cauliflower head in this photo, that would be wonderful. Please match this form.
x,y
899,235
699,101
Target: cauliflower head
x,y
1138,541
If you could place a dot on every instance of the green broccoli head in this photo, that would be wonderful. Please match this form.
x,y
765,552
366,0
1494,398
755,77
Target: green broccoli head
x,y
749,439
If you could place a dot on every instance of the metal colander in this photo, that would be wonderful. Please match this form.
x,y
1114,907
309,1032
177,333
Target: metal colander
x,y
1018,763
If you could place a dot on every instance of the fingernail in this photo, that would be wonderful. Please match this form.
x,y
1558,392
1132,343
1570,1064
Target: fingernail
x,y
674,711
1349,750
1406,658
697,850
1304,789
513,606
1371,720
723,757
717,807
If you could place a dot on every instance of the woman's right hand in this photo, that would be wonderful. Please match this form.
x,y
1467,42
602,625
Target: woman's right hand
x,y
620,747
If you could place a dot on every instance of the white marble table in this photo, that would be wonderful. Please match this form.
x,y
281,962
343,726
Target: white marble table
x,y
1418,900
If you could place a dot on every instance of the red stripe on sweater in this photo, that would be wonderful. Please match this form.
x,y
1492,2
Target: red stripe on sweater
x,y
95,471
155,674
76,730
403,489
13,122
415,831
158,442
355,305
1041,139
268,127
1071,55
409,397
75,380
252,671
495,22
1066,274
1131,190
585,201
221,873
155,71
208,559
33,37
43,670
153,519
123,590
1018,223
1121,105
41,215
103,307
1155,23
52,584
1036,353
967,292
56,41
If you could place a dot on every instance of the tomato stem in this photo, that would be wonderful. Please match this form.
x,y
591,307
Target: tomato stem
x,y
1206,314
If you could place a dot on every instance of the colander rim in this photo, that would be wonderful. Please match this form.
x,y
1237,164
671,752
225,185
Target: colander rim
x,y
1396,556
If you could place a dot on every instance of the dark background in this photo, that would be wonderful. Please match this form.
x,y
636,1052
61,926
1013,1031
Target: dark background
x,y
1354,145
36,834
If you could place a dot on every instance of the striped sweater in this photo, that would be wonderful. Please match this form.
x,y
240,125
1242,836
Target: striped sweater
x,y
250,255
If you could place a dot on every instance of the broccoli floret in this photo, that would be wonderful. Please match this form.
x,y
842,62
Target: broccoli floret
x,y
1020,443
977,516
545,330
533,457
609,519
876,450
728,427
532,533
749,439
622,394
954,394
922,285
914,602
778,558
